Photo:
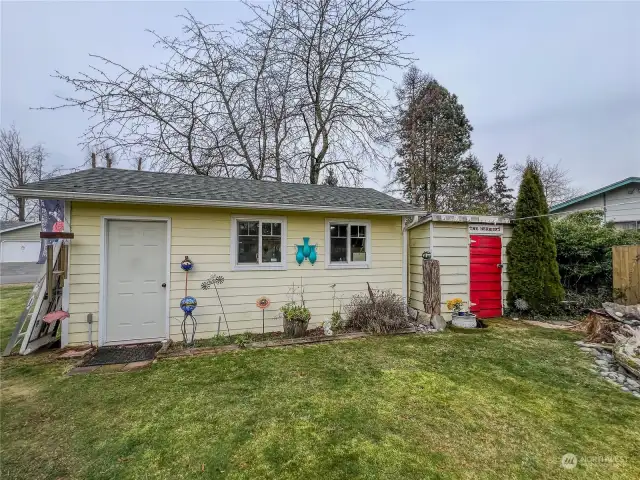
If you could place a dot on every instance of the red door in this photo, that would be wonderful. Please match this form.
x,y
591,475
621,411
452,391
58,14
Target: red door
x,y
485,254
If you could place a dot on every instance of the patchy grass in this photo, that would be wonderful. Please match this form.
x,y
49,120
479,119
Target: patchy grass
x,y
507,403
13,298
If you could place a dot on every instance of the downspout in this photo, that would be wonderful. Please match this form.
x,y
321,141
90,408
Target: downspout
x,y
604,206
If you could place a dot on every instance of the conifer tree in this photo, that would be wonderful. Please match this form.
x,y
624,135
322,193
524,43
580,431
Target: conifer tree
x,y
501,196
531,254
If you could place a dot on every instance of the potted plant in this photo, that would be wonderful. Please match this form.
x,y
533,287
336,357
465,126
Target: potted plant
x,y
295,319
460,318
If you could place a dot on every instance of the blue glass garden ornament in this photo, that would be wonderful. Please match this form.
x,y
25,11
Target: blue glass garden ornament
x,y
186,264
306,249
188,304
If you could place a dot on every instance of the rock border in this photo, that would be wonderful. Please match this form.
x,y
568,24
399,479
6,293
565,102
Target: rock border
x,y
609,369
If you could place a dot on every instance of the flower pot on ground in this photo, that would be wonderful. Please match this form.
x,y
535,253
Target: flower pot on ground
x,y
295,320
464,321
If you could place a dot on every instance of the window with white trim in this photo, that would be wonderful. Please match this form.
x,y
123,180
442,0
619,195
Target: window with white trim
x,y
258,243
348,243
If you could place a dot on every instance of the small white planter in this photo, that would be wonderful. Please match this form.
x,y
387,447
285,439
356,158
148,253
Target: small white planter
x,y
464,321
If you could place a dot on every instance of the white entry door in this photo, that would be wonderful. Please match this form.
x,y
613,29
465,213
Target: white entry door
x,y
137,277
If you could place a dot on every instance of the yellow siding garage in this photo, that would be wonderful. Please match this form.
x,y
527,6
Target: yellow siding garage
x,y
204,234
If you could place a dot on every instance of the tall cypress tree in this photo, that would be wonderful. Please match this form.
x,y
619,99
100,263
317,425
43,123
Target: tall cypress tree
x,y
531,254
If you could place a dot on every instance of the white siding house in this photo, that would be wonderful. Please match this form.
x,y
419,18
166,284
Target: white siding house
x,y
620,202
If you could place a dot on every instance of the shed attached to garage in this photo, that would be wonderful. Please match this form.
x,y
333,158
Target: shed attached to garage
x,y
471,250
19,241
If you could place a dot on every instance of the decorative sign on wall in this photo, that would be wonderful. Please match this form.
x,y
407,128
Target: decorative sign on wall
x,y
485,229
306,251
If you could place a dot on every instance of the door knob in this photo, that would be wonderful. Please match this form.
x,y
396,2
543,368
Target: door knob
x,y
500,265
164,285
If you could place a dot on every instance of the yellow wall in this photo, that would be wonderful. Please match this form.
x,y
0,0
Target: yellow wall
x,y
204,235
451,247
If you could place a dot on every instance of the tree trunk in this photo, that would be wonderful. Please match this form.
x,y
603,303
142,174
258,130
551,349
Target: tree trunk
x,y
431,286
22,202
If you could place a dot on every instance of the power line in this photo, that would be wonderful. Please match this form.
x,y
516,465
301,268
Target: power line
x,y
603,208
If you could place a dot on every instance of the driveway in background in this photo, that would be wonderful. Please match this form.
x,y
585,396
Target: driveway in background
x,y
19,273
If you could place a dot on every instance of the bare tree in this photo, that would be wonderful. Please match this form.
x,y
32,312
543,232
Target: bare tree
x,y
556,180
19,165
281,96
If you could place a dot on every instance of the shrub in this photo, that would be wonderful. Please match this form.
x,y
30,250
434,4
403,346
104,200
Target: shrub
x,y
531,254
385,312
584,244
295,313
337,322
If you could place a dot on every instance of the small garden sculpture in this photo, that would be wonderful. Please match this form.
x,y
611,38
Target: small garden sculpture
x,y
216,280
188,304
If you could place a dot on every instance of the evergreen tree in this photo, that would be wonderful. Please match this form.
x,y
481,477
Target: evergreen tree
x,y
531,254
501,196
469,193
434,133
331,178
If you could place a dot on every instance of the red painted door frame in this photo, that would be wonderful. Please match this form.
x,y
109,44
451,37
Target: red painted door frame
x,y
485,275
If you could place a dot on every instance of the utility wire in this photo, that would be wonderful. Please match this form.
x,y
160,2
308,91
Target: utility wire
x,y
603,208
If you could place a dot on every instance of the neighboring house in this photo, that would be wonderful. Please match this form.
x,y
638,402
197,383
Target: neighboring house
x,y
133,228
19,242
471,250
620,202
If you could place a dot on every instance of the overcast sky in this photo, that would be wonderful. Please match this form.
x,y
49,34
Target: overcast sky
x,y
553,80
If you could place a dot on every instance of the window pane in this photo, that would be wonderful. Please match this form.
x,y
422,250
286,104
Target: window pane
x,y
276,229
247,242
358,252
247,249
362,231
354,230
253,228
338,249
266,229
271,249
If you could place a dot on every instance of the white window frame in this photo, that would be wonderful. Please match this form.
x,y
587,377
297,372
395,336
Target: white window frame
x,y
327,241
235,266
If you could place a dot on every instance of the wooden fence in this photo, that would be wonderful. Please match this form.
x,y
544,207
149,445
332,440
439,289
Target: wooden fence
x,y
626,274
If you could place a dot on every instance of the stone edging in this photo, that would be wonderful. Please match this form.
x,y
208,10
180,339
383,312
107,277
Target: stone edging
x,y
285,342
607,368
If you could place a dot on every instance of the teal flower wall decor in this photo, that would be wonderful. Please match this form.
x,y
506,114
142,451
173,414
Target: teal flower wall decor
x,y
306,251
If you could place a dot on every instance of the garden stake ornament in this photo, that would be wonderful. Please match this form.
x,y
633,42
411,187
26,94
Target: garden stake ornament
x,y
263,303
206,285
188,304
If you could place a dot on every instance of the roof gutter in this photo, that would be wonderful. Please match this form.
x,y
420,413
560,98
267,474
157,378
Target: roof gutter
x,y
20,227
107,197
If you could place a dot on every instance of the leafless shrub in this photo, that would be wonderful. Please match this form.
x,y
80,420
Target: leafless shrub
x,y
385,312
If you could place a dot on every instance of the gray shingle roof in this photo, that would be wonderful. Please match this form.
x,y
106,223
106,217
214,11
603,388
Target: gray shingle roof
x,y
12,225
132,186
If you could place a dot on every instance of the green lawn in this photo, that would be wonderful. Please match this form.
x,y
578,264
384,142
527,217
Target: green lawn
x,y
505,403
